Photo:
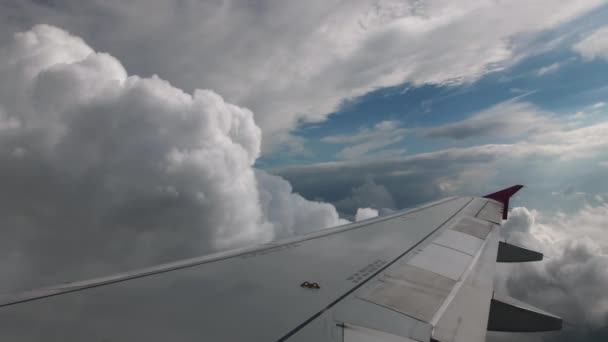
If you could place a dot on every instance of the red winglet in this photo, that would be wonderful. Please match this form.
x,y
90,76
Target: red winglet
x,y
503,197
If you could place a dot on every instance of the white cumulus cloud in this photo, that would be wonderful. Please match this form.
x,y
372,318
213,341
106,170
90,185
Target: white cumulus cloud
x,y
104,171
572,281
291,213
365,213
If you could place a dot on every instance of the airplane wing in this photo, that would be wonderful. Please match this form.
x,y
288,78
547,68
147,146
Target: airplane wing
x,y
423,274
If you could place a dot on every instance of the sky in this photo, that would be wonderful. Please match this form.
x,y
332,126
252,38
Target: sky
x,y
138,132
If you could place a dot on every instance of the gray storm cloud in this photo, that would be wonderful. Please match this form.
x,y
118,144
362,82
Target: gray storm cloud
x,y
103,171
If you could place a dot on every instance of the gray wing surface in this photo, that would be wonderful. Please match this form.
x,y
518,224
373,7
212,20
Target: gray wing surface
x,y
417,275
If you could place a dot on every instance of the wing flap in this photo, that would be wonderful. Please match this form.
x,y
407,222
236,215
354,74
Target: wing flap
x,y
446,283
415,292
492,212
365,314
511,315
354,333
465,315
511,253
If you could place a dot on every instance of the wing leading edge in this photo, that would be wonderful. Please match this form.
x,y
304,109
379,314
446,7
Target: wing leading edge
x,y
416,275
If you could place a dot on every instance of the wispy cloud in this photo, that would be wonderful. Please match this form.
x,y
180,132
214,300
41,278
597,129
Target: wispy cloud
x,y
506,119
594,109
548,69
594,46
370,140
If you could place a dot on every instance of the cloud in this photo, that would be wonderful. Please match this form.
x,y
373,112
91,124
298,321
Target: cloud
x,y
291,213
369,193
572,281
548,69
292,62
549,159
365,213
370,143
590,111
569,191
102,171
379,129
594,46
506,119
397,183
